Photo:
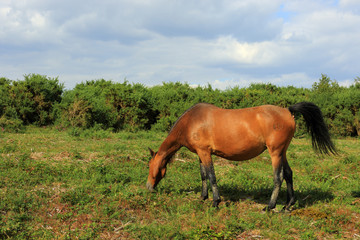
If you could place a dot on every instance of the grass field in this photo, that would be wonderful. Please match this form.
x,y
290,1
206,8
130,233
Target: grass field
x,y
91,184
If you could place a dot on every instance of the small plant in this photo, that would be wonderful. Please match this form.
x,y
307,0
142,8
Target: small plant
x,y
75,132
9,147
76,155
350,159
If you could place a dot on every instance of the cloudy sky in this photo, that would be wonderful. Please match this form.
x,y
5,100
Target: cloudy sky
x,y
221,42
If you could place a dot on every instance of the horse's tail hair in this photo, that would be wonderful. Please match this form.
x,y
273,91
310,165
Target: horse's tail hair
x,y
316,126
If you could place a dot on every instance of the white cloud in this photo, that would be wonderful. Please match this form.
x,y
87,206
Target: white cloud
x,y
38,20
210,19
245,53
224,43
294,79
352,5
346,82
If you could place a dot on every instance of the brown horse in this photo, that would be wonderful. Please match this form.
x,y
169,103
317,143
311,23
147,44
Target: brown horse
x,y
240,134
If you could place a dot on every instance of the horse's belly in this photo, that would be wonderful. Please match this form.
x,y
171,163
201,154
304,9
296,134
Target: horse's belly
x,y
238,153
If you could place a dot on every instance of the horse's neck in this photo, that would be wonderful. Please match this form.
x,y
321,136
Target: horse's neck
x,y
169,147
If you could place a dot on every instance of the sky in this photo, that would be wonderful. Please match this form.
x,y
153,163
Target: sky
x,y
224,43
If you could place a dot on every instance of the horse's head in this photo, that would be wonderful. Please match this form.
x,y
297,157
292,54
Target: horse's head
x,y
157,170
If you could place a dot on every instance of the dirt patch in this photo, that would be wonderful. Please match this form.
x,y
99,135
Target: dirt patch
x,y
62,156
315,214
253,234
36,155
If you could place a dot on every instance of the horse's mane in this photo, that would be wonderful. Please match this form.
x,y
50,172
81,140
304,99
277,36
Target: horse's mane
x,y
176,122
188,110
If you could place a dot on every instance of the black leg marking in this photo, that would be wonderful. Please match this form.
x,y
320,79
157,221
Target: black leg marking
x,y
212,178
204,178
207,171
278,178
289,184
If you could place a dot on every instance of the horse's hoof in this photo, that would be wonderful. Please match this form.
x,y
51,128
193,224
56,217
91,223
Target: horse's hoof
x,y
268,209
150,187
216,203
203,198
286,209
216,206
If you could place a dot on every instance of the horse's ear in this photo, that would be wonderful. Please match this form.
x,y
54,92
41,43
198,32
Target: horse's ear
x,y
152,153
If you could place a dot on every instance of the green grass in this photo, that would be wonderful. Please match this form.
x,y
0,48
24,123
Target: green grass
x,y
91,185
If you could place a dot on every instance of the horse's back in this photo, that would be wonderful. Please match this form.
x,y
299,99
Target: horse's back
x,y
236,134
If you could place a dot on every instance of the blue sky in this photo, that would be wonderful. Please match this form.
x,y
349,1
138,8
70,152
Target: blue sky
x,y
224,43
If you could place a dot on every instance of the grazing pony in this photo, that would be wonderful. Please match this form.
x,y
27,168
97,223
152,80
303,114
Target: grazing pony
x,y
240,134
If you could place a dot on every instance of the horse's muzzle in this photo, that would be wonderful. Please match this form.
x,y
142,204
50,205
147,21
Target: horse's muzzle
x,y
150,187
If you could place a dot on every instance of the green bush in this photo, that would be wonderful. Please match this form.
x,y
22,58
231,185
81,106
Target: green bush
x,y
11,124
30,100
106,105
5,85
101,104
340,105
170,101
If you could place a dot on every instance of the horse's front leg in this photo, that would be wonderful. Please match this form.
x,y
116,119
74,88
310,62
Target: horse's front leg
x,y
215,190
207,171
204,178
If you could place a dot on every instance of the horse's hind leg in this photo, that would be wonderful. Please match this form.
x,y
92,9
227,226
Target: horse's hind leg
x,y
289,183
204,178
282,171
278,179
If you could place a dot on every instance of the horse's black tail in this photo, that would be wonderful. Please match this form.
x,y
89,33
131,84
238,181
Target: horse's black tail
x,y
315,124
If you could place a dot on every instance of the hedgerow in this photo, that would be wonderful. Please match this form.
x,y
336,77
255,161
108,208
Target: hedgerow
x,y
103,104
